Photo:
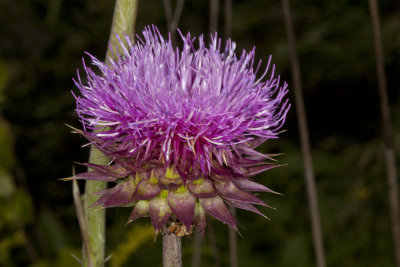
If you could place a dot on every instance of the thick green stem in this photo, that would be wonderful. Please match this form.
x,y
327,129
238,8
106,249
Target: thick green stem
x,y
123,23
95,216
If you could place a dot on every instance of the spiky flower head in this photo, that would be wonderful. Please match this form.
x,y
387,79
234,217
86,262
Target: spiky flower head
x,y
180,128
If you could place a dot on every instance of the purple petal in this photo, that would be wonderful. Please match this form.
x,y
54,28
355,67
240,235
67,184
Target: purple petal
x,y
191,108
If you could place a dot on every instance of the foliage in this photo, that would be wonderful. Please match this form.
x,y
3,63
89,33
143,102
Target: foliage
x,y
135,238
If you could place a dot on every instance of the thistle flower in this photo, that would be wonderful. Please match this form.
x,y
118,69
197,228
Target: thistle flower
x,y
180,128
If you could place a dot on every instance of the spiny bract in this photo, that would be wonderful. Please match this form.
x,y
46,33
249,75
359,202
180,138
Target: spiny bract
x,y
180,128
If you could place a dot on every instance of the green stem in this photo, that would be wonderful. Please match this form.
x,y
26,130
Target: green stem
x,y
123,23
95,217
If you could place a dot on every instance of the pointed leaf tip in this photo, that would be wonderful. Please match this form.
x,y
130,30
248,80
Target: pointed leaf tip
x,y
245,206
183,205
159,211
249,185
119,195
229,191
215,206
199,219
141,209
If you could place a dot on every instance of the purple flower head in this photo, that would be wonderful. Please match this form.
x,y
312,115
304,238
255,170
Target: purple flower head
x,y
180,127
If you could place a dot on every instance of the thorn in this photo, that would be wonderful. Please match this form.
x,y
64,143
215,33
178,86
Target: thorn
x,y
237,231
76,258
73,128
276,193
129,221
108,258
155,235
67,179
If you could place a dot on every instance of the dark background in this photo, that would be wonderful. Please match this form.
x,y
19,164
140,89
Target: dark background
x,y
41,47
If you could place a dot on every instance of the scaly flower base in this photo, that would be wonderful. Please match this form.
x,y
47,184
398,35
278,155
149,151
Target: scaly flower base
x,y
180,129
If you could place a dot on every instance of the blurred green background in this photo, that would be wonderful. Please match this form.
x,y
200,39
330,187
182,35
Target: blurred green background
x,y
42,45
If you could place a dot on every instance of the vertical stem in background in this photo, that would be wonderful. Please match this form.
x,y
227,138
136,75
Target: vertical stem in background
x,y
80,214
305,140
177,16
233,251
123,22
213,243
196,257
173,21
390,158
228,18
168,12
213,16
172,251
